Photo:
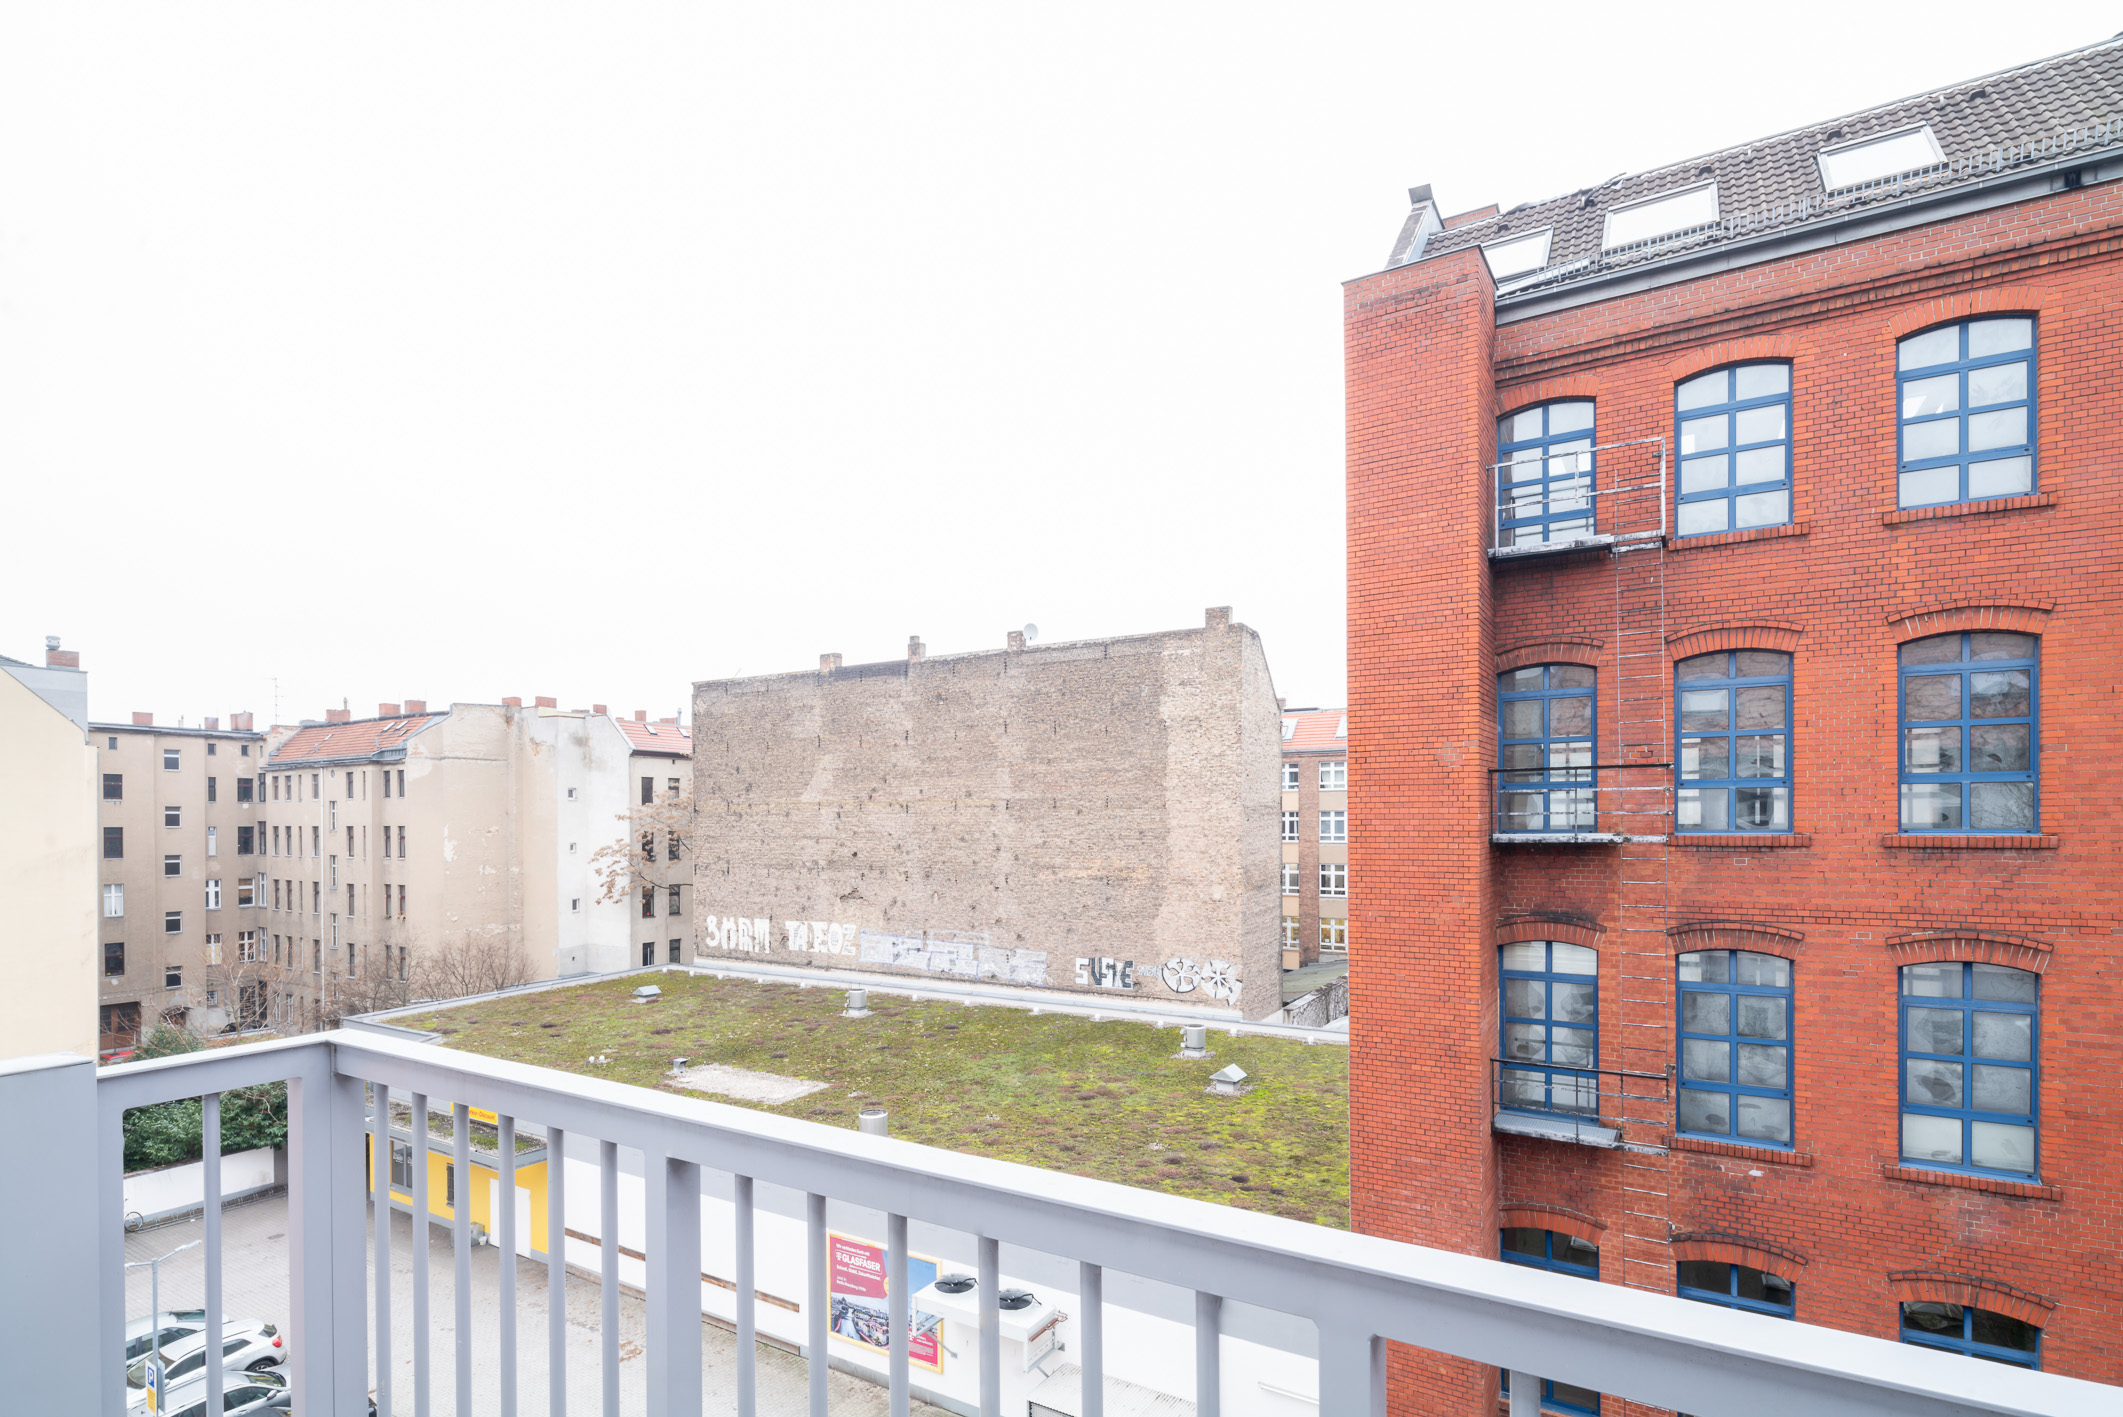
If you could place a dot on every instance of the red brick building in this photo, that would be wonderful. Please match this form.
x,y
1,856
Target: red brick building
x,y
1733,561
1315,832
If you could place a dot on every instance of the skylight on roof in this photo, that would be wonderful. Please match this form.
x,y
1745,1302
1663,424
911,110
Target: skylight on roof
x,y
1668,212
1289,728
1882,155
1518,255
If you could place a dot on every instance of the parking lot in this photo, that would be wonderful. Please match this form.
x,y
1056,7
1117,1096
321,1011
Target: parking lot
x,y
255,1286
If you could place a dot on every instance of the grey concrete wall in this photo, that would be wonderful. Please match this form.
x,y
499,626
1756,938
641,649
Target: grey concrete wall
x,y
1003,815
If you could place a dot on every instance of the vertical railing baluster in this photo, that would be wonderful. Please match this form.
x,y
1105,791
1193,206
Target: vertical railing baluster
x,y
818,1295
505,1229
556,1272
1525,1394
461,1224
380,1209
991,1348
1208,1354
672,1189
747,1306
900,1311
210,1213
422,1241
109,1376
1091,1336
608,1271
1352,1369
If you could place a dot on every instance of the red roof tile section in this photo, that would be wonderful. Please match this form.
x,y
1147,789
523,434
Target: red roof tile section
x,y
1316,731
363,738
664,738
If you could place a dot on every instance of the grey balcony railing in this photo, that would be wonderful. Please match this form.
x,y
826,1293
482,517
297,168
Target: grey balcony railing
x,y
1360,1291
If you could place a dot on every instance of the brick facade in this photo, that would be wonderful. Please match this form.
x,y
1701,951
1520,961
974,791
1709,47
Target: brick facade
x,y
1432,621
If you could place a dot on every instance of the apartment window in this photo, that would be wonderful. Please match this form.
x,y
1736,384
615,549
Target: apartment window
x,y
173,865
1734,437
113,743
114,900
1969,735
213,894
113,959
1560,1254
402,1166
449,1183
1289,826
244,749
671,905
247,951
1334,934
1544,474
243,789
353,960
1979,1333
276,787
114,787
331,811
676,947
114,843
1290,938
173,976
1290,878
172,759
574,903
1334,826
172,922
1969,1078
1545,731
316,785
249,890
350,841
387,784
401,782
212,794
1736,1046
350,900
332,865
173,816
350,785
316,898
246,841
1334,777
316,956
1290,771
1735,1286
671,788
316,844
648,902
401,843
1334,878
571,791
1733,719
670,847
1967,412
648,791
401,902
648,846
1551,1021
405,962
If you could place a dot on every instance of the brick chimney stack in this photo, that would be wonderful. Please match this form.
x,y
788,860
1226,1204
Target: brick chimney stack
x,y
544,701
1217,617
827,663
386,710
512,703
599,709
57,658
914,647
143,720
416,705
240,722
338,715
212,725
641,715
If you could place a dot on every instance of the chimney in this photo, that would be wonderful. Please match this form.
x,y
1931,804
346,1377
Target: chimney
x,y
1217,617
213,725
338,715
240,722
641,715
914,647
543,702
598,709
386,710
512,703
416,705
827,663
1281,704
57,658
143,720
1016,639
667,720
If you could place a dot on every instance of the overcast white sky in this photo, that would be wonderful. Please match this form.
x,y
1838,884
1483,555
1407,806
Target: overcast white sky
x,y
457,351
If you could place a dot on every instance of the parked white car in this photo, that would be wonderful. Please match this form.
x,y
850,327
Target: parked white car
x,y
242,1395
174,1323
246,1346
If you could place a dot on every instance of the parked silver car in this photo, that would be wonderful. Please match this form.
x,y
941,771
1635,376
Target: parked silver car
x,y
242,1395
246,1345
174,1324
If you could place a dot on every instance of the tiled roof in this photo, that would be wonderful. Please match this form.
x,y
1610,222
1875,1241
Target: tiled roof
x,y
360,738
2025,116
667,739
1316,731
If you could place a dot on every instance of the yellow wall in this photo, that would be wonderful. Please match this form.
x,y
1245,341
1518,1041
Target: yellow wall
x,y
530,1177
49,849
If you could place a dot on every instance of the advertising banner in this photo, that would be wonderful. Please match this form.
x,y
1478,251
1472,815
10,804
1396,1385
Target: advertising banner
x,y
861,1313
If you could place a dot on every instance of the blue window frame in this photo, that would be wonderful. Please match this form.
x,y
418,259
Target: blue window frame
x,y
1732,719
1970,1083
1544,473
1970,736
1551,1027
1733,429
1735,1020
1736,1286
1562,1254
1545,732
1966,406
1980,1333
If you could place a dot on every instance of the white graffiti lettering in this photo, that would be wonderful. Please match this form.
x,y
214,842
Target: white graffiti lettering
x,y
1217,978
1106,973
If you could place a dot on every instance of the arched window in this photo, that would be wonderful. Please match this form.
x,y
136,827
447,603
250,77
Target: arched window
x,y
1733,720
1735,1286
1969,733
1544,744
1544,474
1551,1027
1735,1046
1970,1094
1558,1253
1734,440
1980,1333
1966,397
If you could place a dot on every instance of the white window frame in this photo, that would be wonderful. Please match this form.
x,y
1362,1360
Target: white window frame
x,y
1334,932
1290,777
1290,932
1334,776
1338,822
1290,827
172,918
173,816
173,760
1841,167
213,893
172,859
1518,255
213,846
1637,221
1336,872
1293,879
213,949
114,900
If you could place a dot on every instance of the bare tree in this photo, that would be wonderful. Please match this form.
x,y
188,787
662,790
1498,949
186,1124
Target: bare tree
x,y
247,989
476,962
655,835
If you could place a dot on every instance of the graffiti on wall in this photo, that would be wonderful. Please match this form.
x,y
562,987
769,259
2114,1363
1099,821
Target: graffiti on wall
x,y
726,932
1217,978
1106,973
967,955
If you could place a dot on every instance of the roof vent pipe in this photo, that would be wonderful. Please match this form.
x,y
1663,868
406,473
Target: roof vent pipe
x,y
874,1121
858,1004
1194,1040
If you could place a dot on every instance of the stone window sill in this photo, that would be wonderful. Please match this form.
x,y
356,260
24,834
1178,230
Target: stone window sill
x,y
1967,841
2032,1190
1740,1151
1744,841
1896,516
1734,538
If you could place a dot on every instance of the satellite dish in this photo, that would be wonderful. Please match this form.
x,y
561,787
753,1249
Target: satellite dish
x,y
1031,633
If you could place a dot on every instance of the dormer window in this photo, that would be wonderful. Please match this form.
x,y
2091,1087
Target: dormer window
x,y
1661,216
1882,155
1289,729
1518,255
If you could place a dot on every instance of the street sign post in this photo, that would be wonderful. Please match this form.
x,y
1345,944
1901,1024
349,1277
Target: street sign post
x,y
154,1385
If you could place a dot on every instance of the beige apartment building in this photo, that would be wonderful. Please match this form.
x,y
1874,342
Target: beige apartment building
x,y
47,858
1315,834
179,875
419,852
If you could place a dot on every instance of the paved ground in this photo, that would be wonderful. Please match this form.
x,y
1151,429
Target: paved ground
x,y
255,1285
1299,982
